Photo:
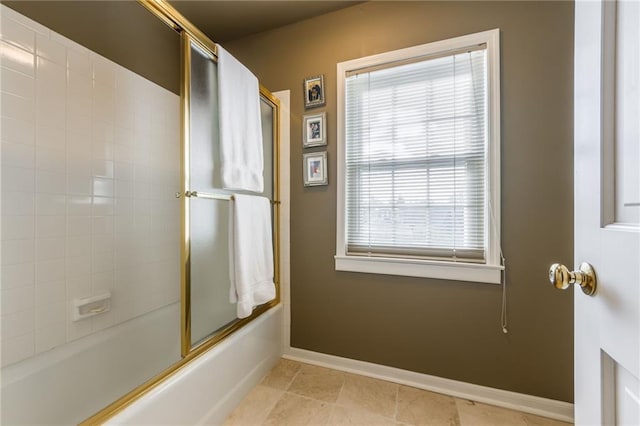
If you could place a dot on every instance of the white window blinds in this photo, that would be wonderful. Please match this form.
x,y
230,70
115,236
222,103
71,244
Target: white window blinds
x,y
415,159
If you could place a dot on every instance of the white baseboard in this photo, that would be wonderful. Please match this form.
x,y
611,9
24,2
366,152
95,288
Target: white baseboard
x,y
550,408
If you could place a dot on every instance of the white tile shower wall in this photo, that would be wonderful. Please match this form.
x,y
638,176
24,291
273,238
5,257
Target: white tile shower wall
x,y
90,165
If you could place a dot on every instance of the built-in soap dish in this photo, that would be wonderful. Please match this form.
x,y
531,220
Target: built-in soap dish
x,y
91,306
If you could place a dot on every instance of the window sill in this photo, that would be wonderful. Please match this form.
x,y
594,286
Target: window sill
x,y
490,274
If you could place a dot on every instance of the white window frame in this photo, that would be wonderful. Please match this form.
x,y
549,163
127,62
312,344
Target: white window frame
x,y
488,272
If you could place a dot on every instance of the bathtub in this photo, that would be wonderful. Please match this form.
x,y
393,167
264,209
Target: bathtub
x,y
63,386
207,389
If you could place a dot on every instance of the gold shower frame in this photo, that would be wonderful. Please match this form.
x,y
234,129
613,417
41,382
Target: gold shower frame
x,y
190,34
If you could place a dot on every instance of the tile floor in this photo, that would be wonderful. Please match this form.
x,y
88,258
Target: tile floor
x,y
301,394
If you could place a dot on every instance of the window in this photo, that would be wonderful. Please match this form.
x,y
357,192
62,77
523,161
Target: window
x,y
418,161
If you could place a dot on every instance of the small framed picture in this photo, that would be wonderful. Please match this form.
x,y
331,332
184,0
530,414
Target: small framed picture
x,y
314,130
313,88
314,167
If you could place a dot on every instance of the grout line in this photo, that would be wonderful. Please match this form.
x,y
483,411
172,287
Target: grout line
x,y
331,408
293,378
455,402
309,398
395,414
344,381
269,410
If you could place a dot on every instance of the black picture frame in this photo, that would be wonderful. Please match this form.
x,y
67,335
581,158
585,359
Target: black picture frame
x,y
313,91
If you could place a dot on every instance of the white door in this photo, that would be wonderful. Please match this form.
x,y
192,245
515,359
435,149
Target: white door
x,y
607,211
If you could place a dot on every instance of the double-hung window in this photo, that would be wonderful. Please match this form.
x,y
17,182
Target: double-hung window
x,y
418,161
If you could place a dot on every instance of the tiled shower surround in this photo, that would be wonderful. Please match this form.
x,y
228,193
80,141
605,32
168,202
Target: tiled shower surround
x,y
90,168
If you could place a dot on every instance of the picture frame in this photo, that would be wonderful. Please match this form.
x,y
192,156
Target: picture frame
x,y
313,90
314,166
314,130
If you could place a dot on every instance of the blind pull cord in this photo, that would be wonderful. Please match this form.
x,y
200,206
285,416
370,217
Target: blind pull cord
x,y
503,316
503,275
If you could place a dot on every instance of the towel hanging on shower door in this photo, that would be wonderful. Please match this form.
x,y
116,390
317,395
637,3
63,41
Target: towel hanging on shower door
x,y
241,151
250,253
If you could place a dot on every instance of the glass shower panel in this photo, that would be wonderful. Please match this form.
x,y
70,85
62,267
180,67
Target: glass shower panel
x,y
98,312
267,116
211,309
210,306
204,167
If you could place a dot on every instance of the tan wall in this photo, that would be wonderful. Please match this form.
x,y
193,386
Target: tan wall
x,y
444,328
122,31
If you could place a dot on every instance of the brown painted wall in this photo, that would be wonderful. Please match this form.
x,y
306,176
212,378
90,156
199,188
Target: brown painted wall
x,y
122,31
443,328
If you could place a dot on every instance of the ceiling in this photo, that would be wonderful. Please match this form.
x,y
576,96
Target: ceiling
x,y
228,20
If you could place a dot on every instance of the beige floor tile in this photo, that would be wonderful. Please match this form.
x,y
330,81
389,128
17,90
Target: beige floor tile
x,y
295,410
282,374
370,394
317,383
341,415
533,420
255,407
420,407
361,401
476,414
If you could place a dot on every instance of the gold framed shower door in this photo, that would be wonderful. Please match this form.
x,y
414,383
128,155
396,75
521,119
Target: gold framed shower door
x,y
190,34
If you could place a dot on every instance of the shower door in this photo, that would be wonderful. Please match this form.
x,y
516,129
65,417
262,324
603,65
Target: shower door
x,y
207,312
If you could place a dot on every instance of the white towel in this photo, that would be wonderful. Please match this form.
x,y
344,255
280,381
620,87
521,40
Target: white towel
x,y
250,253
240,125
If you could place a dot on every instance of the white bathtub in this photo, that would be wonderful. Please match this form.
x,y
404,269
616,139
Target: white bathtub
x,y
63,386
209,388
69,383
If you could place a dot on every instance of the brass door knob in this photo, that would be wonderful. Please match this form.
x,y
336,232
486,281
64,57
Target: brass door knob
x,y
561,277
